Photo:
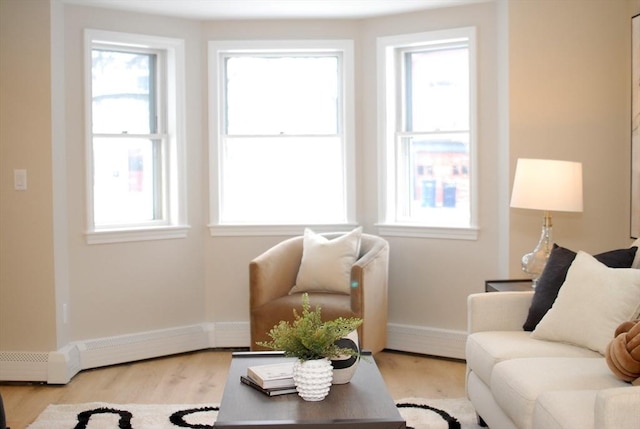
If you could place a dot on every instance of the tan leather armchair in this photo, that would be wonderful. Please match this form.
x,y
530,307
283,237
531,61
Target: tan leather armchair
x,y
273,274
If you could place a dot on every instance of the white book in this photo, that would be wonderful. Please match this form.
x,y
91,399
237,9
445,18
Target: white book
x,y
272,375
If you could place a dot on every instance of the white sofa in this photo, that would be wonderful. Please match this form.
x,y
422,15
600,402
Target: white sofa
x,y
516,381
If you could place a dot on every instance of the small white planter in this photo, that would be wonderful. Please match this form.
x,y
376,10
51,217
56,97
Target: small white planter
x,y
313,378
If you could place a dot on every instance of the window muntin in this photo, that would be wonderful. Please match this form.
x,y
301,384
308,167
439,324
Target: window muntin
x,y
284,138
429,139
135,136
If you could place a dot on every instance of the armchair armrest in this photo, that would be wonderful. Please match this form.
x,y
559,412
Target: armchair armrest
x,y
369,288
371,268
497,311
618,408
273,273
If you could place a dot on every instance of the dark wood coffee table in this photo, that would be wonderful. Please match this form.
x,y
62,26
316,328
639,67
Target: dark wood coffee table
x,y
362,403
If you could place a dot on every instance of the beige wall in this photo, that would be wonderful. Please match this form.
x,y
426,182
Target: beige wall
x,y
569,69
564,98
27,304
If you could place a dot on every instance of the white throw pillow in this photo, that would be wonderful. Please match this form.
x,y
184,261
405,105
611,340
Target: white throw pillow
x,y
326,264
593,300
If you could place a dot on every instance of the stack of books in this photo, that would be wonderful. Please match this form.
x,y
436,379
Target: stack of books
x,y
271,379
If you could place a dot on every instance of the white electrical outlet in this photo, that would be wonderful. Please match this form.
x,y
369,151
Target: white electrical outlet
x,y
20,180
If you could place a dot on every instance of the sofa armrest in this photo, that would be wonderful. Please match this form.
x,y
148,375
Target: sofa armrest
x,y
497,311
618,408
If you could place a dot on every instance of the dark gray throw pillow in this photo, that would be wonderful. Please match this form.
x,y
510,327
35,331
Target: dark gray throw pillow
x,y
555,272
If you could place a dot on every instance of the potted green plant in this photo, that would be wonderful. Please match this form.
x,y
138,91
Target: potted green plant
x,y
313,342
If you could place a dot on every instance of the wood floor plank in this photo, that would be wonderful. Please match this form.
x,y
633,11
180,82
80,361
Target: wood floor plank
x,y
200,377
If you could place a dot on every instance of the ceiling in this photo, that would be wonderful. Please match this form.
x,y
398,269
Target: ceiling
x,y
272,9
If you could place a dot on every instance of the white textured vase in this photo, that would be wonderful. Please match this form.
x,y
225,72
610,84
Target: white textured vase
x,y
344,367
313,378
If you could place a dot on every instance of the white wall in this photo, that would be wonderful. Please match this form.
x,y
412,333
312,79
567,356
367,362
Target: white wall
x,y
431,278
423,275
564,97
124,288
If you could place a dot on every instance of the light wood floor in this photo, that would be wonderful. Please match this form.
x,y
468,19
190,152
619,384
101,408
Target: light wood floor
x,y
199,377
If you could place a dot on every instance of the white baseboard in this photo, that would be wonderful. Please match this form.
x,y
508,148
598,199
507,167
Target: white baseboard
x,y
23,366
425,340
232,334
60,366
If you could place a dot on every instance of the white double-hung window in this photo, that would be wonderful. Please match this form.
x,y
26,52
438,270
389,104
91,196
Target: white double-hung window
x,y
281,134
135,137
426,110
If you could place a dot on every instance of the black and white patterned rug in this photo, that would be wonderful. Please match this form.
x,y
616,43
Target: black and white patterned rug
x,y
418,412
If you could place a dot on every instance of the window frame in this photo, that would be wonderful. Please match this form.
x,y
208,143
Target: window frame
x,y
390,119
170,131
217,50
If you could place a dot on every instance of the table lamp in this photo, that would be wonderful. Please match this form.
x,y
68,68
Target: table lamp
x,y
548,185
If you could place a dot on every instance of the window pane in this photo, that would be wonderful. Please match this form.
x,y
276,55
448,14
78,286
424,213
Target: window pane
x,y
437,96
122,92
283,180
281,95
438,182
124,188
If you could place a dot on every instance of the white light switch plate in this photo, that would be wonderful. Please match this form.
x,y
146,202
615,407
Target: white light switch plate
x,y
20,180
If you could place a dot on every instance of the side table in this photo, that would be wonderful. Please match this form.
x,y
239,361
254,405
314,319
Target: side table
x,y
517,285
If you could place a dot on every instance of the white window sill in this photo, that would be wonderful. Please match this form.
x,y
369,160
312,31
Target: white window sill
x,y
137,234
418,231
218,230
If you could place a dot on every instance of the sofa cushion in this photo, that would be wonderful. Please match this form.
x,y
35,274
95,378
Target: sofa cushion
x,y
593,301
565,409
555,272
326,264
517,383
486,349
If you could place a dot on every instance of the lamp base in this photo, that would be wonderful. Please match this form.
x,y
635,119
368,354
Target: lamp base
x,y
534,262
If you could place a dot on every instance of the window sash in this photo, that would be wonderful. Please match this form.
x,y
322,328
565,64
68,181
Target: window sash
x,y
128,180
137,200
154,76
279,105
225,220
151,159
301,169
459,62
404,148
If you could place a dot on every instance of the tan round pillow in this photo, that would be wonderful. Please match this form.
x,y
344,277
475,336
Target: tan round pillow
x,y
623,352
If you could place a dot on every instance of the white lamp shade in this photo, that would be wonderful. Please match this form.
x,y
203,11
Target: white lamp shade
x,y
550,185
